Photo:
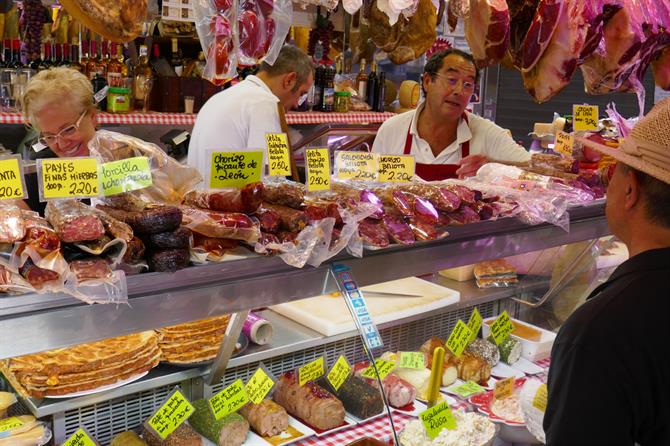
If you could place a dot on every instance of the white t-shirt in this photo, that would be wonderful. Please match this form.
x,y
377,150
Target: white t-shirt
x,y
486,138
235,119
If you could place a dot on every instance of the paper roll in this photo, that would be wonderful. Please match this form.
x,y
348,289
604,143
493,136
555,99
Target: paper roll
x,y
257,329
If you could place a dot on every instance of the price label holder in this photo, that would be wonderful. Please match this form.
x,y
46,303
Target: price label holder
x,y
12,182
311,371
259,385
396,168
564,143
504,388
459,338
540,398
437,418
318,169
174,411
125,175
584,117
339,373
234,169
501,328
383,367
467,389
8,424
412,360
68,178
356,166
474,324
229,400
279,160
80,438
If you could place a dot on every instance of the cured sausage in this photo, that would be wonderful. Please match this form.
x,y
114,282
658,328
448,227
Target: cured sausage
x,y
286,194
216,246
269,220
220,224
291,219
168,260
12,224
134,251
245,200
74,221
373,233
179,238
35,275
152,220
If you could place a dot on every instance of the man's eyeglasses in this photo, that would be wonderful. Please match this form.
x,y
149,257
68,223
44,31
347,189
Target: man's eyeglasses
x,y
70,130
453,81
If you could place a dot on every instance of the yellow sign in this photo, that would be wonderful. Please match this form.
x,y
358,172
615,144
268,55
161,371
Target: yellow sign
x,y
171,414
468,389
229,400
396,168
279,161
125,175
437,418
564,143
11,175
79,438
501,328
474,324
259,385
339,373
318,169
384,367
504,388
10,423
356,166
540,398
235,169
412,360
69,177
459,338
584,117
311,371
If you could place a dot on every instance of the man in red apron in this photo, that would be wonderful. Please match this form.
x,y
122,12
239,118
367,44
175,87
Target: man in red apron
x,y
445,140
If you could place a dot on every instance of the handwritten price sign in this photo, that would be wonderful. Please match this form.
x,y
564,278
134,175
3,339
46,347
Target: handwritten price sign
x,y
584,117
279,162
459,338
474,324
171,414
540,398
125,175
339,373
356,166
384,367
259,385
229,400
68,178
11,179
9,424
80,438
311,371
412,360
235,169
467,389
564,143
501,328
437,418
504,388
318,169
396,169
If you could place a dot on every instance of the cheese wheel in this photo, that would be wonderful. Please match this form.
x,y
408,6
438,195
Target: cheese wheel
x,y
410,93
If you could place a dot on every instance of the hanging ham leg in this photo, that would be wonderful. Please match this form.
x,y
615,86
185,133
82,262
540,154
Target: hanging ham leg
x,y
539,34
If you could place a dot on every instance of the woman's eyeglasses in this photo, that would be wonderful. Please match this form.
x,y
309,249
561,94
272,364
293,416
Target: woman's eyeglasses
x,y
70,130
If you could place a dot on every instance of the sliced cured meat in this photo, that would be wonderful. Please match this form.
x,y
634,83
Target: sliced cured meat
x,y
245,200
267,418
487,31
116,228
134,252
74,221
91,269
399,231
37,276
179,238
269,220
316,212
463,216
168,260
422,229
540,32
216,246
441,198
373,233
291,219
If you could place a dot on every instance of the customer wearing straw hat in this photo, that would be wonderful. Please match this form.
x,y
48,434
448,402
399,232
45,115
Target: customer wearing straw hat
x,y
609,380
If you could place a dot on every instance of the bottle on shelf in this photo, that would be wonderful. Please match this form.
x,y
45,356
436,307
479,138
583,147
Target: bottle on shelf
x,y
373,86
16,55
116,69
382,92
143,81
84,56
176,60
328,90
65,55
35,63
92,60
54,59
6,53
74,57
106,58
362,82
317,96
99,84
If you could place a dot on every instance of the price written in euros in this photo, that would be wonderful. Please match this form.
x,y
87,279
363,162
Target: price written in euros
x,y
398,169
171,415
278,154
459,338
474,324
339,373
229,400
235,169
259,385
318,169
357,166
311,371
585,117
412,360
11,186
384,368
69,177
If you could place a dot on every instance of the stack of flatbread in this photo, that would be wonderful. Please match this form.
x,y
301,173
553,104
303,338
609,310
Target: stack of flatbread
x,y
192,342
83,367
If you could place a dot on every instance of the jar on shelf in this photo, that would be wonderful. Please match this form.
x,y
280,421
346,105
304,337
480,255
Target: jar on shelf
x,y
342,100
118,100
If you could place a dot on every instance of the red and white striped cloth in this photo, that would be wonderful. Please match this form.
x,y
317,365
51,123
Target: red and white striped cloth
x,y
379,429
155,118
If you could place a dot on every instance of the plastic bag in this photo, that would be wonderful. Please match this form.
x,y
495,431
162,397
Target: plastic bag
x,y
216,23
215,224
171,179
93,281
74,221
263,26
12,225
279,190
244,200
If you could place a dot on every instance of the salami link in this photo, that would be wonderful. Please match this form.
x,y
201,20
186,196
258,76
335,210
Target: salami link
x,y
74,221
245,200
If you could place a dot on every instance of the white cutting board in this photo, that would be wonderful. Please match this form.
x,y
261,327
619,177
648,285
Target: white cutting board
x,y
329,315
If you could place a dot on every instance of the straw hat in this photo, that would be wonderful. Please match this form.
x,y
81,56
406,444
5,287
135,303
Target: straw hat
x,y
647,148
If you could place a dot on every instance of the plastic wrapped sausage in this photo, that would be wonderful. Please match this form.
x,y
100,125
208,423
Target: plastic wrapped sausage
x,y
154,219
180,238
245,200
74,221
12,225
215,224
291,220
285,193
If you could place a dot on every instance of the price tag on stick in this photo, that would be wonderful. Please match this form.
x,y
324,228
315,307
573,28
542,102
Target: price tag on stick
x,y
259,385
584,117
68,178
229,400
339,373
174,411
437,418
235,169
459,338
11,179
125,175
279,161
318,169
396,168
474,324
384,368
311,371
80,438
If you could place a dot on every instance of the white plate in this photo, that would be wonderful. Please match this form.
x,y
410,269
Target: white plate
x,y
502,370
253,439
417,408
374,417
102,388
528,367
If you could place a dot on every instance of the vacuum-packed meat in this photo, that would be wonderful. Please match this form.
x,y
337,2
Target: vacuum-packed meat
x,y
91,269
266,418
285,193
35,275
74,221
168,260
134,252
311,403
245,200
269,220
115,228
359,398
399,231
153,219
291,219
178,238
12,225
373,233
216,246
464,215
220,224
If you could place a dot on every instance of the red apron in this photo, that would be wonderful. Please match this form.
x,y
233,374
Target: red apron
x,y
437,172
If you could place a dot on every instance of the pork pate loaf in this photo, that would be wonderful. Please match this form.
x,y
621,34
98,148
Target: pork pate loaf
x,y
311,403
266,418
